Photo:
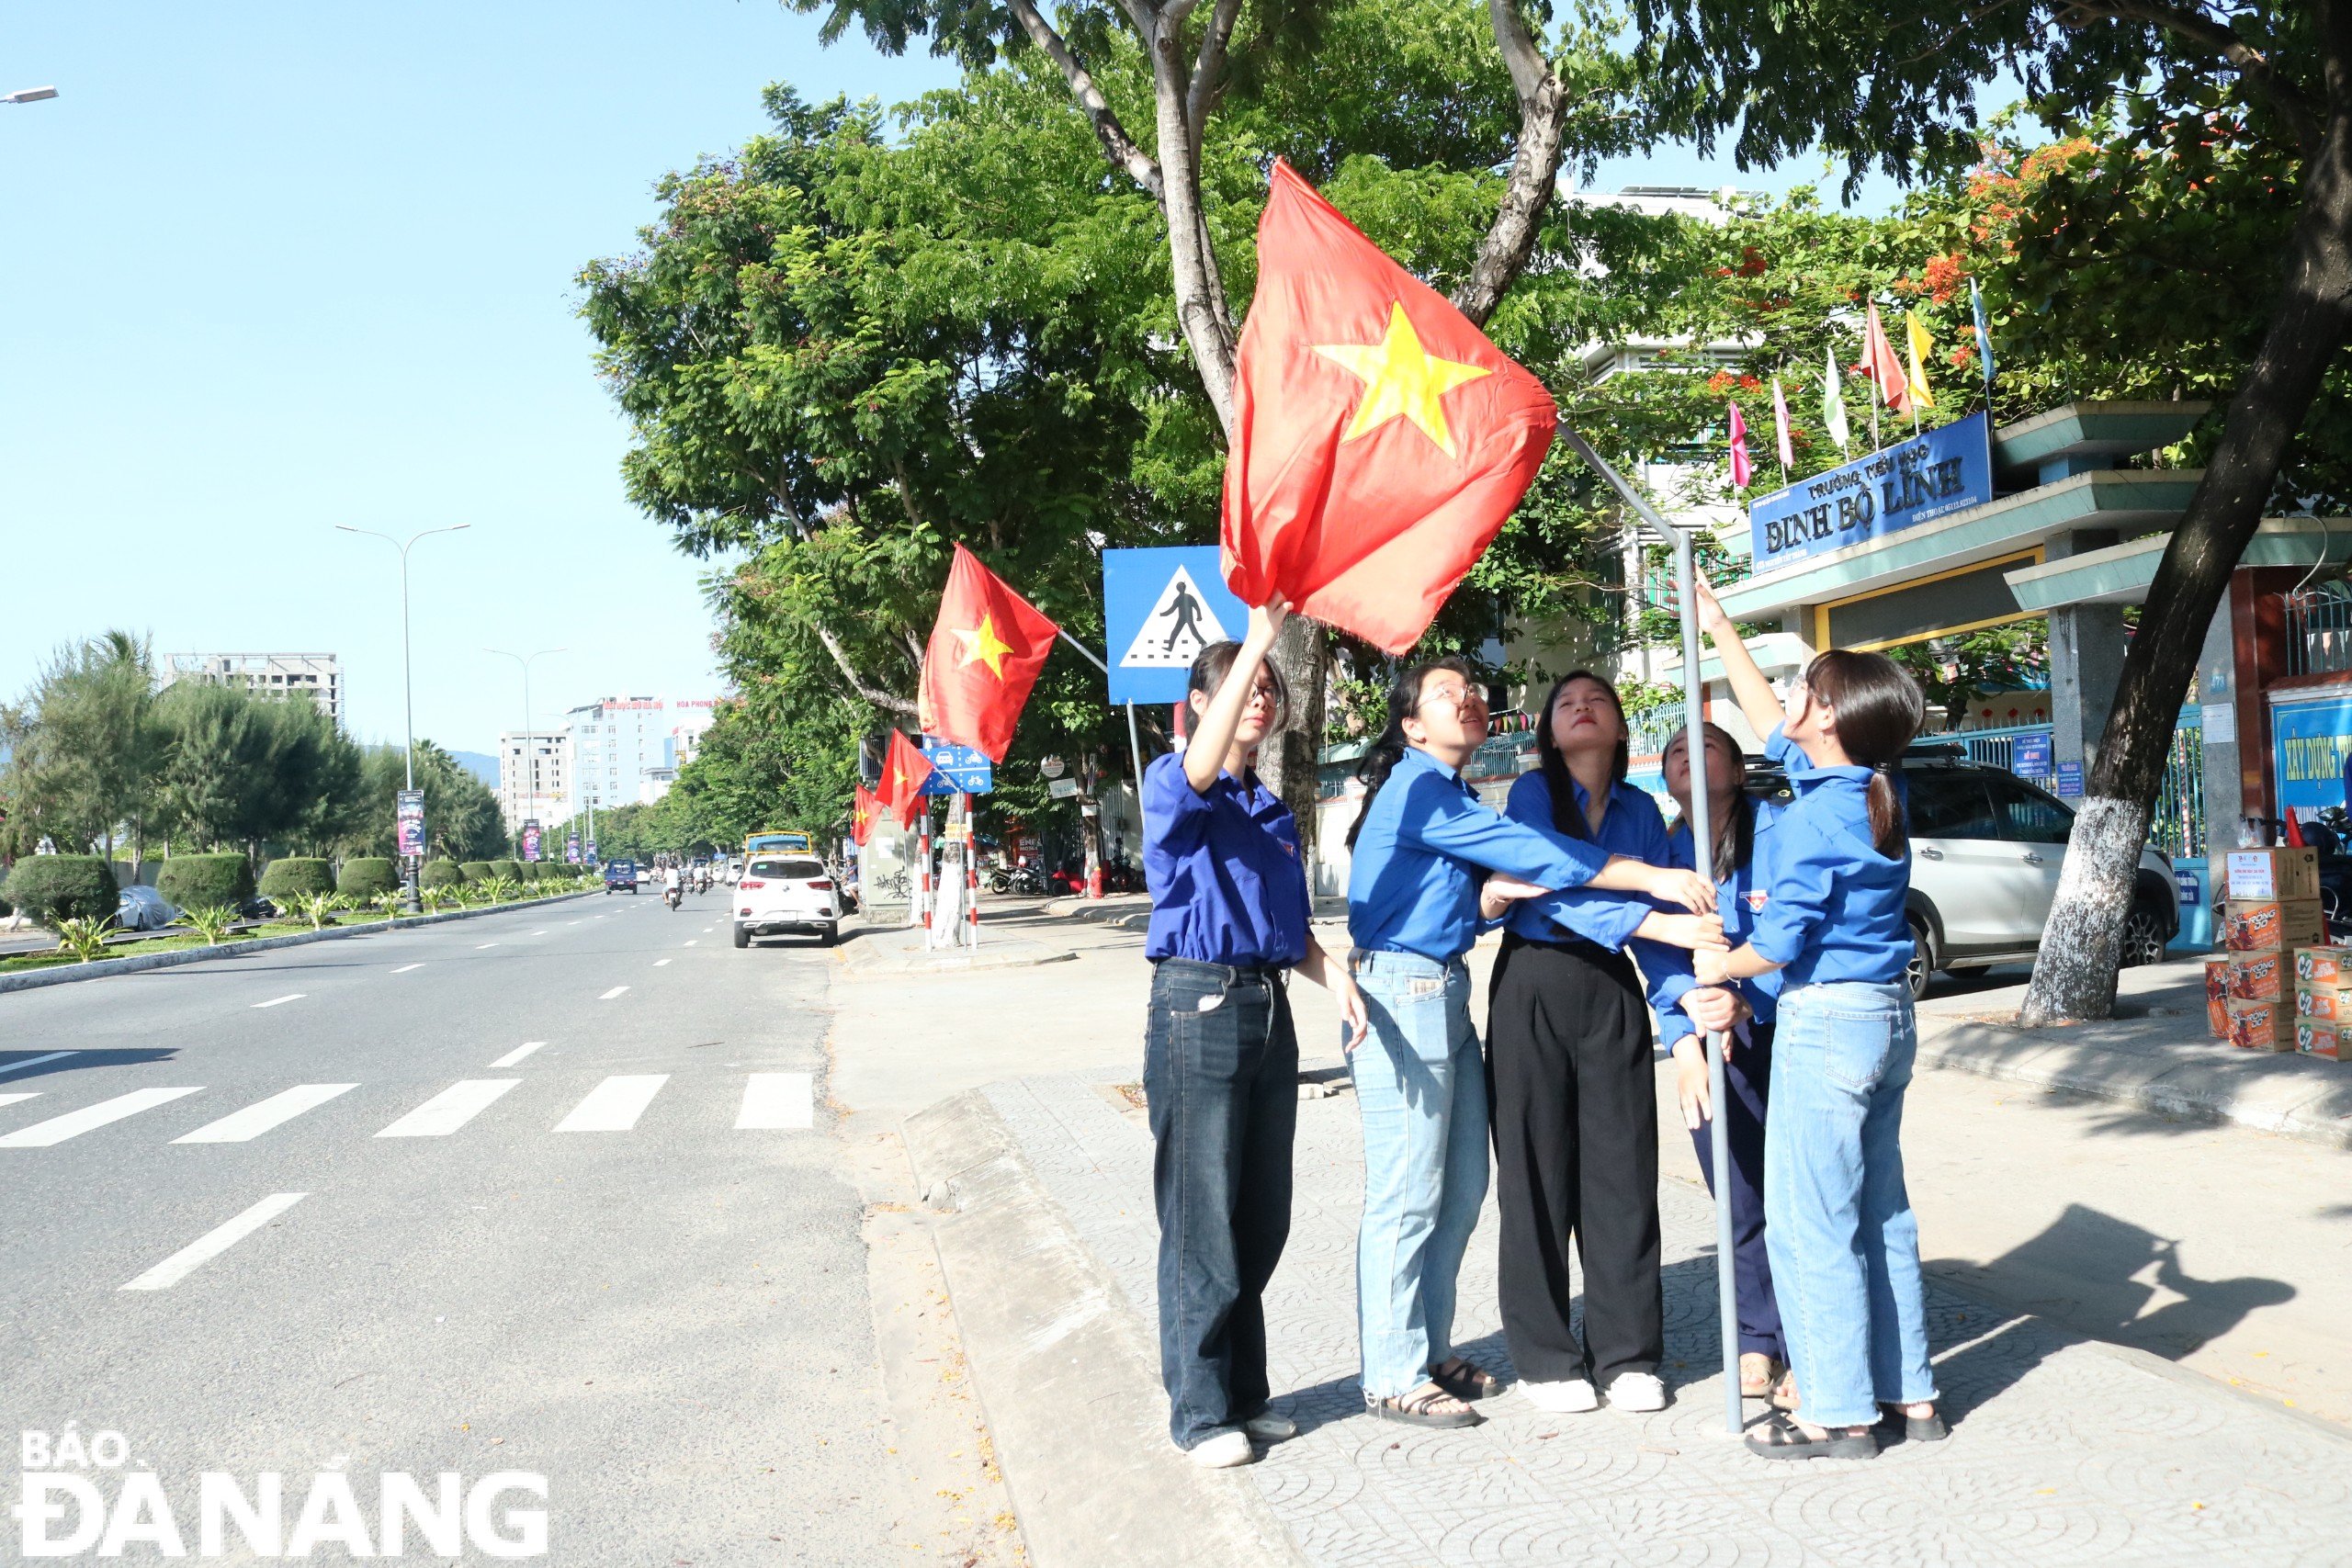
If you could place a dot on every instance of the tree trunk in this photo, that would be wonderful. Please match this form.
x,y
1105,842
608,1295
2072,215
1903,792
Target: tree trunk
x,y
1203,317
2074,975
1288,758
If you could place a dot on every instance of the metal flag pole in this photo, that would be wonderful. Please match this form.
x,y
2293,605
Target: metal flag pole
x,y
1135,750
1702,854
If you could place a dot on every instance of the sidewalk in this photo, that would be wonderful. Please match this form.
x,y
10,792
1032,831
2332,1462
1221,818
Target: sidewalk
x,y
2064,1450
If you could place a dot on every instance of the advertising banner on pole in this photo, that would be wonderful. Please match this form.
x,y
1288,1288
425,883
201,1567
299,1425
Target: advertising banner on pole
x,y
531,839
407,812
1161,607
1909,483
572,849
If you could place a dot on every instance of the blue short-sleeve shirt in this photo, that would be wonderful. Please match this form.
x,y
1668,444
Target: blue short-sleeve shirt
x,y
1223,865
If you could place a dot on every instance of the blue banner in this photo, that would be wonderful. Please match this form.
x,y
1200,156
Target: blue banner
x,y
1938,472
1161,607
2309,743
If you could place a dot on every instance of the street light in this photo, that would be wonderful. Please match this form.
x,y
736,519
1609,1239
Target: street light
x,y
408,696
28,95
528,760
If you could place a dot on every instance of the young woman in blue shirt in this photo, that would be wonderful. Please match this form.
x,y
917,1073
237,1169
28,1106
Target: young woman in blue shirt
x,y
1843,1240
1431,861
1229,921
1568,1063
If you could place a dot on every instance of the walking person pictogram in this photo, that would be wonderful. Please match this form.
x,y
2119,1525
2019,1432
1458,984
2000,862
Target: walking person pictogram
x,y
1186,607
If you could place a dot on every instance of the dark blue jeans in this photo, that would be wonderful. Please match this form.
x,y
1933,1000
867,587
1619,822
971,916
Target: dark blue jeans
x,y
1747,1076
1221,1073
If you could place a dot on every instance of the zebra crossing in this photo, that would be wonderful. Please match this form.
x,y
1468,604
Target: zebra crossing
x,y
761,1101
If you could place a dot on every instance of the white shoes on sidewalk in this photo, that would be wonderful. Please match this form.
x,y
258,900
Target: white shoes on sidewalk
x,y
1637,1390
1271,1427
1223,1451
1572,1398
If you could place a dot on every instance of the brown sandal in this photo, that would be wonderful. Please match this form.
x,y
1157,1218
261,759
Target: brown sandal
x,y
1425,1407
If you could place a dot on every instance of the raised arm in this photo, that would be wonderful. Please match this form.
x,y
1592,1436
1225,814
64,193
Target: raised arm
x,y
1762,709
1221,720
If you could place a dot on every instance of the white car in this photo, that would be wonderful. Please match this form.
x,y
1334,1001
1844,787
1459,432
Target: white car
x,y
785,892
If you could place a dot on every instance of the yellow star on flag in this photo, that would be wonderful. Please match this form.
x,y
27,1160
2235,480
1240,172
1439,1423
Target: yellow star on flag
x,y
982,646
1402,380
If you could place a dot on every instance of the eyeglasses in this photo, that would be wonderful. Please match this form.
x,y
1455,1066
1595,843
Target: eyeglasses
x,y
1461,699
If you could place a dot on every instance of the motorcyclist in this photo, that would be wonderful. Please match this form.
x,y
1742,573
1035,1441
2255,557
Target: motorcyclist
x,y
673,887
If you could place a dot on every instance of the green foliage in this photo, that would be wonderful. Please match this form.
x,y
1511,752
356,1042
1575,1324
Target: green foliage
x,y
52,888
84,936
477,871
82,749
316,907
512,870
435,875
498,887
367,876
211,922
193,881
296,878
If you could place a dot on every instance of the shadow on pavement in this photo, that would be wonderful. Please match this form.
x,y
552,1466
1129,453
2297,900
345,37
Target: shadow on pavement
x,y
73,1061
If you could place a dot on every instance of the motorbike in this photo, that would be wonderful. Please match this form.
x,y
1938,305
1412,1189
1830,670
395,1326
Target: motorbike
x,y
674,896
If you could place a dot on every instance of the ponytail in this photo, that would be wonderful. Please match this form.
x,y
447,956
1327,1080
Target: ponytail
x,y
1380,758
1879,707
1888,830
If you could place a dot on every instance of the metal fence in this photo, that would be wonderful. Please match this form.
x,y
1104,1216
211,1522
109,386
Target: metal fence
x,y
2319,629
2177,825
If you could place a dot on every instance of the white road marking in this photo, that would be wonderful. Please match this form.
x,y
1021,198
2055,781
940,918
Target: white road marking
x,y
240,1126
35,1062
777,1099
539,933
616,991
406,967
275,1001
449,1109
708,930
213,1243
12,1098
517,1053
57,1129
691,941
479,945
614,1105
658,962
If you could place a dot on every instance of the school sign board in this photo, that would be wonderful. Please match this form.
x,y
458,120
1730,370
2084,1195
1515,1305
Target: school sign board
x,y
2311,743
1161,607
1932,475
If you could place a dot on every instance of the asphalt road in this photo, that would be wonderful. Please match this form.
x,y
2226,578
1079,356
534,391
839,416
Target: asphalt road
x,y
550,1192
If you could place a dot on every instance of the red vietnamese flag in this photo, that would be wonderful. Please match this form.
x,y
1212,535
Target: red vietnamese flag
x,y
1379,440
984,655
863,815
903,771
1884,366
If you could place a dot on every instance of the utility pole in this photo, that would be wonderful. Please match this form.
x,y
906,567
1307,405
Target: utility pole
x,y
529,772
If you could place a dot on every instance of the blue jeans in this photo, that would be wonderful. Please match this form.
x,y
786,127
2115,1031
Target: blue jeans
x,y
1844,1243
1420,1086
1220,1074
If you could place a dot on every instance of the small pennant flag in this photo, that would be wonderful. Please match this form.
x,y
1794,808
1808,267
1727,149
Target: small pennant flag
x,y
1922,348
1983,332
1742,470
1883,365
1781,424
1833,406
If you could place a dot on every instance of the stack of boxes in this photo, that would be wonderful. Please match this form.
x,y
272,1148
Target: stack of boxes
x,y
2272,926
2323,1000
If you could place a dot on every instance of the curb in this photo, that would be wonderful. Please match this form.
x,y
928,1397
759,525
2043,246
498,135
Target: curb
x,y
1055,1353
1119,912
64,976
2270,1092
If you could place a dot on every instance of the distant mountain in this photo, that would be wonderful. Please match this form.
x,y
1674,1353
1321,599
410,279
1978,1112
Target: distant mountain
x,y
481,764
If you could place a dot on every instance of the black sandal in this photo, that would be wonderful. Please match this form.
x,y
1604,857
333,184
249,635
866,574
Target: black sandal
x,y
1928,1428
1417,1409
1782,1438
1466,1382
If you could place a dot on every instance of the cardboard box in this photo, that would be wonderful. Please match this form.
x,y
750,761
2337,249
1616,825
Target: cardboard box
x,y
2275,873
2272,925
2329,1005
2259,976
2322,1040
2262,1026
2217,997
2317,967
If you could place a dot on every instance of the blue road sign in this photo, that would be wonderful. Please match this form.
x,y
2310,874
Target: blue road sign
x,y
1161,607
957,768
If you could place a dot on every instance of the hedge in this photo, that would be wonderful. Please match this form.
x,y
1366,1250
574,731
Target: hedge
x,y
477,870
297,876
367,876
533,871
63,888
441,874
205,882
512,870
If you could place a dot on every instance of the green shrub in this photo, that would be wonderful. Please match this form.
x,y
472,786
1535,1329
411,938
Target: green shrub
x,y
526,871
367,877
477,870
512,870
51,889
296,878
439,874
196,881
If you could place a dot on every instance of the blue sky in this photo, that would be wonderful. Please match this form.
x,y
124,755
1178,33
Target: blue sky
x,y
274,266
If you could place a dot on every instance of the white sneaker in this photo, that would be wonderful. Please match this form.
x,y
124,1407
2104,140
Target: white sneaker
x,y
1572,1398
1224,1451
1271,1427
1637,1390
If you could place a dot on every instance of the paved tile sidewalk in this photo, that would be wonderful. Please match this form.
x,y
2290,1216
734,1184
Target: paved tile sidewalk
x,y
2065,1453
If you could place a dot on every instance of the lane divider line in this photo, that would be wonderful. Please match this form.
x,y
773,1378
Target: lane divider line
x,y
479,945
36,1061
406,967
517,1053
279,1001
449,1109
74,1124
658,962
691,941
213,1243
616,991
243,1126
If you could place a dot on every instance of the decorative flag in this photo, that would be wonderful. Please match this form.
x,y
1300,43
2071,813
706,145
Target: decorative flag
x,y
1742,470
1833,406
1379,440
903,771
1922,348
1781,425
984,655
1983,332
1880,364
864,813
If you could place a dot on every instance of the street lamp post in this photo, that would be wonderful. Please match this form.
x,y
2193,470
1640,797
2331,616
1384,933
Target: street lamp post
x,y
530,769
28,96
408,694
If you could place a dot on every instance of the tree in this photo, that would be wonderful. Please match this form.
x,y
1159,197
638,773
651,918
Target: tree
x,y
83,745
2273,75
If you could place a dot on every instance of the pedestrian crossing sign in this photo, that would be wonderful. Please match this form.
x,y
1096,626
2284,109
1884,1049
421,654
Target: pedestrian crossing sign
x,y
1161,607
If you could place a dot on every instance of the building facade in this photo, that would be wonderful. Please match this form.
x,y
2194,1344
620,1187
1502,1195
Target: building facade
x,y
318,676
626,751
533,777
